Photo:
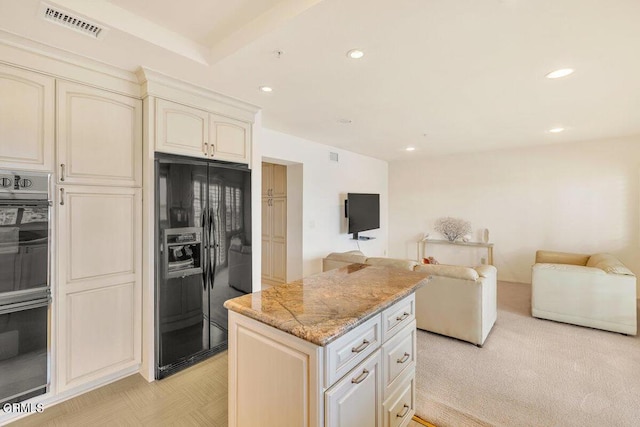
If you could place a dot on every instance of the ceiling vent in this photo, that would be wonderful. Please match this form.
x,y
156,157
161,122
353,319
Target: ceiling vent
x,y
333,156
71,21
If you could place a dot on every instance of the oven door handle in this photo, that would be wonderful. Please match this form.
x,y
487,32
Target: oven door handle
x,y
15,203
26,305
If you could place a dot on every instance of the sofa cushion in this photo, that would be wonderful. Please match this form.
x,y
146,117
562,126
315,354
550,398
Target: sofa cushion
x,y
351,256
552,257
404,264
454,271
609,264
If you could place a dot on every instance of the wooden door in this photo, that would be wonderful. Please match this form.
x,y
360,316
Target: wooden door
x,y
279,239
267,178
181,129
99,137
26,119
279,181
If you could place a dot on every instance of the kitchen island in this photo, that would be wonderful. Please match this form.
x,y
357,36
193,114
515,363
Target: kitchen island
x,y
332,349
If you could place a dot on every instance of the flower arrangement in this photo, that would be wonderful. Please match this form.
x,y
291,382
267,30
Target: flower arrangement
x,y
452,228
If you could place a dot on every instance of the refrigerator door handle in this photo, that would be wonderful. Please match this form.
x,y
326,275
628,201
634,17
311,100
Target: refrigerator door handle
x,y
214,246
204,251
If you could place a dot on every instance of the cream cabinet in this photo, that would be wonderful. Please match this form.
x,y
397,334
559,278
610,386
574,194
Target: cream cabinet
x,y
99,282
365,377
99,136
189,131
355,399
27,108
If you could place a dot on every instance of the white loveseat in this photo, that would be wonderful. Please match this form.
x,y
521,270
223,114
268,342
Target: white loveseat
x,y
459,302
597,291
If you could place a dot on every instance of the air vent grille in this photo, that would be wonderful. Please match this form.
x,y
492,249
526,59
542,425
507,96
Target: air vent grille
x,y
74,22
333,156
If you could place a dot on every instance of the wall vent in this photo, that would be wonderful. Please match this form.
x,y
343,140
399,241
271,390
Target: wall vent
x,y
333,156
71,21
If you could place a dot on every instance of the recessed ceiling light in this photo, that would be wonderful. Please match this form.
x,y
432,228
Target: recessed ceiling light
x,y
355,54
410,148
563,72
266,88
556,130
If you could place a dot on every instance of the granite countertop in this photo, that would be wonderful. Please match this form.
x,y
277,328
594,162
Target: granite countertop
x,y
324,306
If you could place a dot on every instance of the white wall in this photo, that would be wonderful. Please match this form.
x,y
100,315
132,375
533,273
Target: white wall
x,y
325,185
578,197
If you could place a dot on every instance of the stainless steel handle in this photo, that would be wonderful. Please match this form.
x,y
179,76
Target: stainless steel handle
x,y
404,316
361,377
361,347
62,197
213,150
206,149
23,306
61,171
404,412
404,358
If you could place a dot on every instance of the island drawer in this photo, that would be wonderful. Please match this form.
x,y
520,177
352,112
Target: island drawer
x,y
397,316
398,355
346,352
398,409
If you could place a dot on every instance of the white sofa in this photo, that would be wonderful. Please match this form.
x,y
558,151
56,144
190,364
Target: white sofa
x,y
459,302
597,291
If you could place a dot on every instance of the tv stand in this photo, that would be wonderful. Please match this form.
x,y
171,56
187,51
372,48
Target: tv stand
x,y
356,237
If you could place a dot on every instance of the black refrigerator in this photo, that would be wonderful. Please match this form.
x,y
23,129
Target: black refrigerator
x,y
203,255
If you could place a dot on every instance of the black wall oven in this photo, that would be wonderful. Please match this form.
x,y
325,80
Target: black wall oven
x,y
25,295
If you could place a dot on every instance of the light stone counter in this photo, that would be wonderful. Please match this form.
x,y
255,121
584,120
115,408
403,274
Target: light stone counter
x,y
324,306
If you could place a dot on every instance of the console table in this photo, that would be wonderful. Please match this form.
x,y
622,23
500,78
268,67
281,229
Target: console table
x,y
422,247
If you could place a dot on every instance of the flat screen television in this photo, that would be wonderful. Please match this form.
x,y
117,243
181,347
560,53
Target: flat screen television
x,y
363,212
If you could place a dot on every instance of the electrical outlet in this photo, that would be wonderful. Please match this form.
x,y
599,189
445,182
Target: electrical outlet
x,y
483,260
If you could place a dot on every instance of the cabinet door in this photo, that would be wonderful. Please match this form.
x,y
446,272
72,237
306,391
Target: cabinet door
x,y
356,400
26,119
230,139
266,239
267,179
181,129
279,185
99,137
99,282
279,240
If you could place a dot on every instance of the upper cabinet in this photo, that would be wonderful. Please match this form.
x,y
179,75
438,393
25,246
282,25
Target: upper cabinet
x,y
26,119
181,129
99,137
229,138
193,132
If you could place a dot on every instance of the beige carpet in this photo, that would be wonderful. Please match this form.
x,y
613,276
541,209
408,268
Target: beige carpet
x,y
531,372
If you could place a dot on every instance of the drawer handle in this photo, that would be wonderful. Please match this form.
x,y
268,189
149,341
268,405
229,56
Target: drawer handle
x,y
360,377
361,347
206,149
404,358
404,316
62,197
62,172
405,411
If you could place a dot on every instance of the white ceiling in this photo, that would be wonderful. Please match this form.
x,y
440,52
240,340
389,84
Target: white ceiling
x,y
446,76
